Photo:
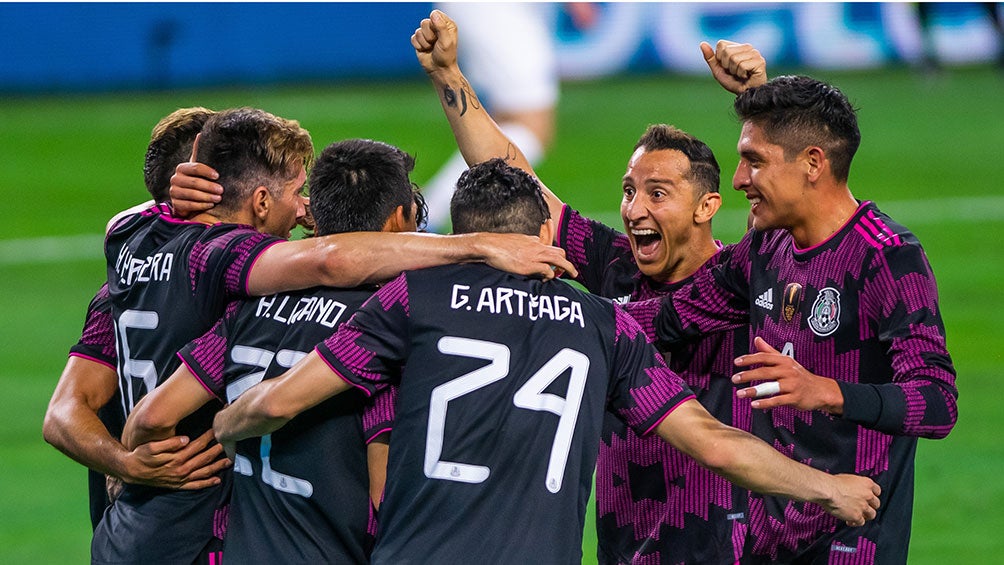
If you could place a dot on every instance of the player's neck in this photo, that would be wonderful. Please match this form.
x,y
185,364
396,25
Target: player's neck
x,y
211,217
825,218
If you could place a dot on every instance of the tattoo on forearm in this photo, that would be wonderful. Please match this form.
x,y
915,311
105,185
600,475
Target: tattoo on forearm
x,y
450,97
466,93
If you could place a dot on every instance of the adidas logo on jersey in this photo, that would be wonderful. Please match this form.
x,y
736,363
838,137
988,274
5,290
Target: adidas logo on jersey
x,y
766,300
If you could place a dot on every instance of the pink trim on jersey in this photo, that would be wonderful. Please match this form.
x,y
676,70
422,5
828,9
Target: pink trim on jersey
x,y
194,374
247,280
834,234
95,360
668,412
339,375
374,436
880,229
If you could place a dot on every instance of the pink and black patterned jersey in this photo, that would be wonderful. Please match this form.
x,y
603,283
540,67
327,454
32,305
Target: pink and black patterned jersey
x,y
169,282
861,308
655,504
301,494
504,381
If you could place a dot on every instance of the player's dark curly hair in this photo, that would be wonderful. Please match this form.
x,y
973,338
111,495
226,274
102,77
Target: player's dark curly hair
x,y
704,170
496,197
796,112
170,144
357,184
249,148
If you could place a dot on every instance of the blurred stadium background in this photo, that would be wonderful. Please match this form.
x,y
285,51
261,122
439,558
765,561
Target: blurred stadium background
x,y
83,84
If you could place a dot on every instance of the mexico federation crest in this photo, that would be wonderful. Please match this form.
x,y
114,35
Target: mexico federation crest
x,y
825,316
792,300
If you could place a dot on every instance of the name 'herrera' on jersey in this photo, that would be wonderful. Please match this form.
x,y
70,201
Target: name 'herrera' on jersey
x,y
156,267
513,302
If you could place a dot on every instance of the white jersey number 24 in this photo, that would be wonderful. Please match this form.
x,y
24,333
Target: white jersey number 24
x,y
530,396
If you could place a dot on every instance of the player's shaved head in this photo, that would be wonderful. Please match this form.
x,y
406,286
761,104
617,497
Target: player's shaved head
x,y
170,144
249,148
498,198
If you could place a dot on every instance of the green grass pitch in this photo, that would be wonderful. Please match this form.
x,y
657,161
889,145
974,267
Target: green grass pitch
x,y
931,156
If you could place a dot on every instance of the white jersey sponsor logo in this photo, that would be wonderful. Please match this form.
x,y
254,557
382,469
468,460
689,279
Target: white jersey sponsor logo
x,y
766,300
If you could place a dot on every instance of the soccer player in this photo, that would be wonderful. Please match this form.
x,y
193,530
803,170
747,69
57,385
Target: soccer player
x,y
170,281
849,344
84,419
321,498
504,380
653,502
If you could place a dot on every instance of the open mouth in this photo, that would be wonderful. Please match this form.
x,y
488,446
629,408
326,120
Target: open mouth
x,y
646,241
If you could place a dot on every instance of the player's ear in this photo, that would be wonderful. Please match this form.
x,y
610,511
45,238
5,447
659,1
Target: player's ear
x,y
396,222
261,202
815,162
707,206
547,232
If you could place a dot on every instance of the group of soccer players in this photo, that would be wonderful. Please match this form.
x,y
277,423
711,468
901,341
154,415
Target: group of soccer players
x,y
499,390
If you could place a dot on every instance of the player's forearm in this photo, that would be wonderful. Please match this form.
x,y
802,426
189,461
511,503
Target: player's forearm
x,y
140,428
251,415
478,137
71,421
753,464
77,432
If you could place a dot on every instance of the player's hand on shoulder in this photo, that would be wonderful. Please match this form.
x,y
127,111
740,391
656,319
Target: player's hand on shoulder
x,y
526,255
736,66
435,42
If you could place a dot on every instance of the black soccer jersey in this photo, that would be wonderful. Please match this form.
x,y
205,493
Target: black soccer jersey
x,y
301,493
169,281
97,344
861,308
503,384
653,503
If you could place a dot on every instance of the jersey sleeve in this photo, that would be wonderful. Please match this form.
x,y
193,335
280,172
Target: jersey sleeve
x,y
225,260
97,341
643,389
901,296
378,416
592,247
369,350
715,299
206,355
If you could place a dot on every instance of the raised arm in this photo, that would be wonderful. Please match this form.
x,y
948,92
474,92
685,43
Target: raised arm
x,y
478,137
736,66
749,462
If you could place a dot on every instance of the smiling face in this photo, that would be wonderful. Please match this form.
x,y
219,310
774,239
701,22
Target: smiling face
x,y
658,209
775,187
